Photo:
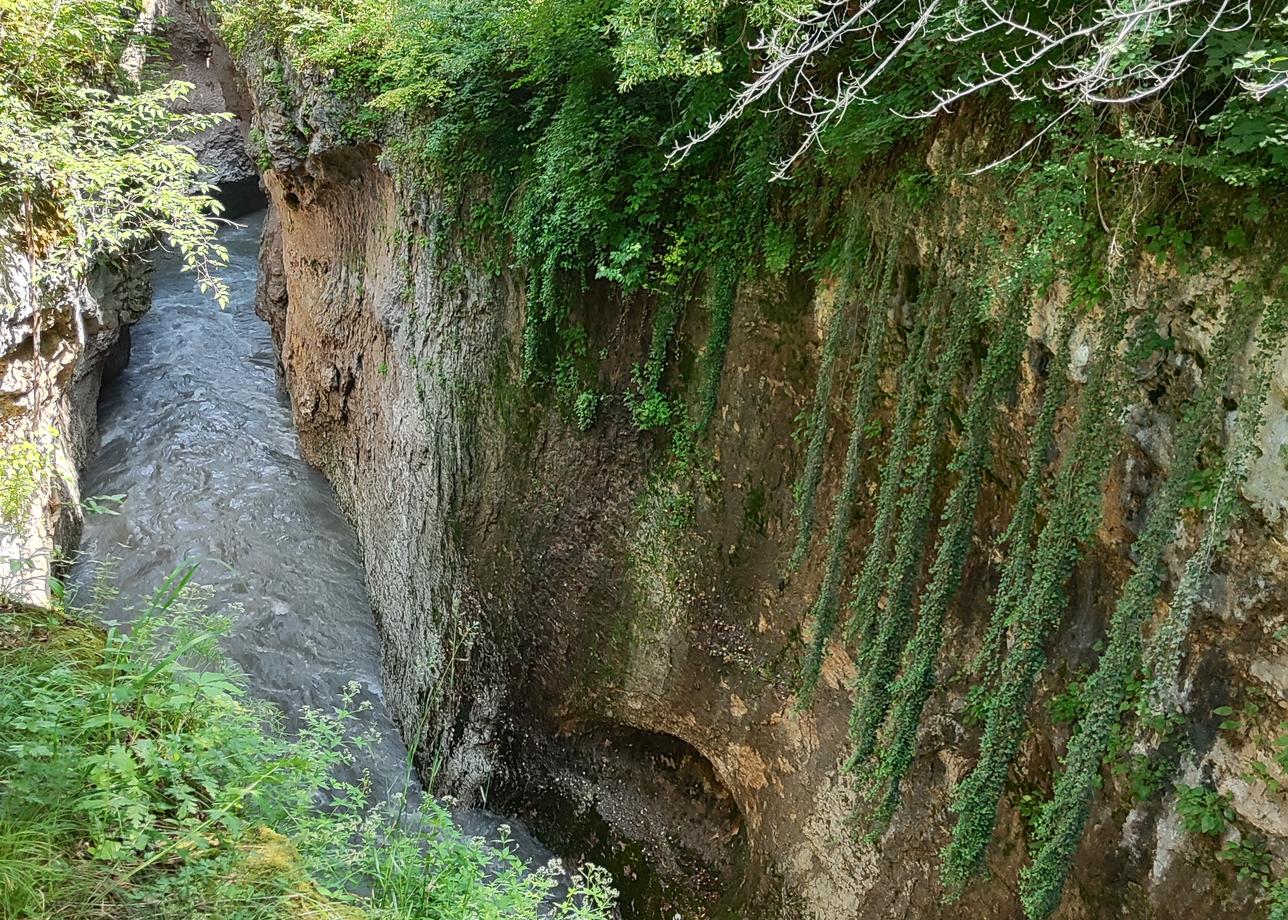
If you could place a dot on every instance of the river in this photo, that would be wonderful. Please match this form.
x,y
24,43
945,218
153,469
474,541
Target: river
x,y
197,434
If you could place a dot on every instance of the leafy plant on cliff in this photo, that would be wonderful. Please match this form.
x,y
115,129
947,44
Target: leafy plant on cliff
x,y
839,329
1064,817
828,601
1072,517
913,376
93,159
881,660
1031,270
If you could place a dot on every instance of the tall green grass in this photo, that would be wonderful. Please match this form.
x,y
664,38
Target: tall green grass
x,y
138,779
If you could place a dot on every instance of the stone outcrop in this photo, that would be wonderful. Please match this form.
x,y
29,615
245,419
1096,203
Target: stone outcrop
x,y
53,362
550,637
195,56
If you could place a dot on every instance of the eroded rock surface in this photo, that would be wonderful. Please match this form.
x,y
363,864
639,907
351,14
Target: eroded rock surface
x,y
54,356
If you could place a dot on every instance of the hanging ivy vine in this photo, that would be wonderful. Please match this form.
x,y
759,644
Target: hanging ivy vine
x,y
912,386
1163,657
650,407
873,693
1072,519
825,606
1063,818
996,379
1017,542
806,489
724,292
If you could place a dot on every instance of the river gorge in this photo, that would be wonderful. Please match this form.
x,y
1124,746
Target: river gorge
x,y
902,539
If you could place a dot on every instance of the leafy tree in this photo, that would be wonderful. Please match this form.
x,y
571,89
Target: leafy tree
x,y
93,162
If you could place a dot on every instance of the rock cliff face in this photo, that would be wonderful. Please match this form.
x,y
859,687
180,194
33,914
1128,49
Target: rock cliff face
x,y
626,685
52,364
194,56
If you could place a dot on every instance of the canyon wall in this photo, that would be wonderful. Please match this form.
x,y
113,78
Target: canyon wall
x,y
52,364
555,644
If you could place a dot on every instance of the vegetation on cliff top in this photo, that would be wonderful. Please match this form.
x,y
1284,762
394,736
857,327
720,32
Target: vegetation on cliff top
x,y
627,140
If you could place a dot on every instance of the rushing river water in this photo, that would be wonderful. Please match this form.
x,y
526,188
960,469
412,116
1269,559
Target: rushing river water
x,y
197,434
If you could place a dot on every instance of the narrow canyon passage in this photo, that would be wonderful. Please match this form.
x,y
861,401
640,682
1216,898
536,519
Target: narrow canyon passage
x,y
197,435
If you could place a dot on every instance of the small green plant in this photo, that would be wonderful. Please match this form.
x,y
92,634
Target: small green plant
x,y
1069,705
103,504
584,409
25,467
1203,810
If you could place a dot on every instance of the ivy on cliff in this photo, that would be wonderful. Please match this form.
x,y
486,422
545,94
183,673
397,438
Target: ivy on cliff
x,y
1072,518
1061,823
881,661
839,328
1031,270
826,605
913,376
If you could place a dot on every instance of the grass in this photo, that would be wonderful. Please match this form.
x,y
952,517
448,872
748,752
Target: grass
x,y
138,779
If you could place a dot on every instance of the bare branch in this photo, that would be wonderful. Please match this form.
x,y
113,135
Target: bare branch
x,y
1104,54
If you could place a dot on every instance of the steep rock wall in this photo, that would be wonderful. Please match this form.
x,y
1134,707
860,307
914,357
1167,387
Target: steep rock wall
x,y
52,364
546,631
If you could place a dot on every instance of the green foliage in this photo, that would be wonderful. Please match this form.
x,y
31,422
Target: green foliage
x,y
723,296
142,781
913,689
659,39
1042,882
865,385
1203,810
25,467
649,406
1019,537
876,684
806,489
1166,649
1070,705
912,392
93,163
1072,518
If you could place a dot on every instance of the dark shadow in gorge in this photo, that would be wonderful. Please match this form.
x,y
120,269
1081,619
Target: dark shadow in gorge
x,y
646,806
